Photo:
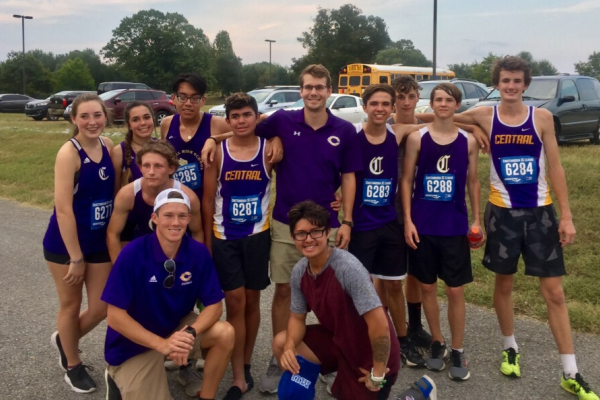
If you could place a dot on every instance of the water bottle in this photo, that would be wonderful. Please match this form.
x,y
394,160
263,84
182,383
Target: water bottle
x,y
475,237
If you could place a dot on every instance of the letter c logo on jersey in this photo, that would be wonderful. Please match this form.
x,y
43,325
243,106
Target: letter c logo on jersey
x,y
334,140
186,276
102,173
375,165
442,164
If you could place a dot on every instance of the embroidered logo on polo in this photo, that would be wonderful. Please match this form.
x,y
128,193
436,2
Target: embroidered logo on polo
x,y
102,173
296,133
153,279
334,140
375,165
186,276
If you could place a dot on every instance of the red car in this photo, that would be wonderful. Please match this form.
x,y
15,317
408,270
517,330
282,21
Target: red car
x,y
117,100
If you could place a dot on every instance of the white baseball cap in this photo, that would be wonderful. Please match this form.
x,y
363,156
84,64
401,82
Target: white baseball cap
x,y
166,196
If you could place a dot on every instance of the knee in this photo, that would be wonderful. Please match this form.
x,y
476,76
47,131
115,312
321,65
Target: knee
x,y
283,292
504,284
235,303
393,287
279,343
554,295
428,290
225,334
455,294
71,307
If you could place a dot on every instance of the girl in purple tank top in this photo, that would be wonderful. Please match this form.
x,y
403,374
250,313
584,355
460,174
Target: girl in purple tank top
x,y
140,121
75,242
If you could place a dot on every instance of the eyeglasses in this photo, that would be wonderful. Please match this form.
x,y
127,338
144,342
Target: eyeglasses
x,y
182,98
318,88
170,268
302,235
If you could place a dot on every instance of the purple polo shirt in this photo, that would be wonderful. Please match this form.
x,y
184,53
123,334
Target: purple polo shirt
x,y
135,284
313,160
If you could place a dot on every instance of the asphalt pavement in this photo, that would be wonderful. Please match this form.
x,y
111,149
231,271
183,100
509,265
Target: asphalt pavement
x,y
29,368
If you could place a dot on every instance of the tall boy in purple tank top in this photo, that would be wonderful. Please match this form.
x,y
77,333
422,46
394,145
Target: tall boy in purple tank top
x,y
236,210
523,145
440,161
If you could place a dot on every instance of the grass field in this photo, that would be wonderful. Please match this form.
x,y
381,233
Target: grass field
x,y
26,175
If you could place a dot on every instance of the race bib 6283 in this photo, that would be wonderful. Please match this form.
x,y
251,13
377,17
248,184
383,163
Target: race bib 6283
x,y
100,213
519,170
245,209
439,187
189,175
377,192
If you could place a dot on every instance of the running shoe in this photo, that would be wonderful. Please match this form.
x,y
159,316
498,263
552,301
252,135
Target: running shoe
x,y
269,382
422,389
458,366
437,355
510,363
79,380
328,380
410,355
112,390
420,337
189,377
62,357
578,386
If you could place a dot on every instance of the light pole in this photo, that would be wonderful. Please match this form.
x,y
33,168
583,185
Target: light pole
x,y
23,18
270,43
434,77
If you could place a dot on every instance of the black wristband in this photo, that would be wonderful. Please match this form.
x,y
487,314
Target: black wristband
x,y
213,138
349,223
191,331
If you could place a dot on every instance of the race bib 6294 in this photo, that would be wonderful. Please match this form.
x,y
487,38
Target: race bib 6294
x,y
519,170
245,209
189,175
377,192
439,187
100,213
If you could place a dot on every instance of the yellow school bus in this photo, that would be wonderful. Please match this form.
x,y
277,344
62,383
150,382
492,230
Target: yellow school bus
x,y
354,78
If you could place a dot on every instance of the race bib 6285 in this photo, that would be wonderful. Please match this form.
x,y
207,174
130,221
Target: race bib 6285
x,y
189,175
377,192
519,170
245,209
439,187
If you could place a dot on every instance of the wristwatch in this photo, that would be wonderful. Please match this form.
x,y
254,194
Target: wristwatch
x,y
191,331
349,223
378,381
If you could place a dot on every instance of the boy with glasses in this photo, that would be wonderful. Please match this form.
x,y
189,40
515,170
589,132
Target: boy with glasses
x,y
151,293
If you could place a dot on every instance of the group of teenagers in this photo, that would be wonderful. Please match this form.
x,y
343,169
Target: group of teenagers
x,y
157,229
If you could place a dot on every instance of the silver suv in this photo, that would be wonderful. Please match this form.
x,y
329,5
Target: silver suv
x,y
270,98
472,92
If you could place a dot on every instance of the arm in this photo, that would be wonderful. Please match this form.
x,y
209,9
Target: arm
x,y
116,155
379,335
473,186
556,173
164,127
195,225
211,174
67,163
122,206
401,131
295,333
207,317
481,135
348,193
413,146
210,147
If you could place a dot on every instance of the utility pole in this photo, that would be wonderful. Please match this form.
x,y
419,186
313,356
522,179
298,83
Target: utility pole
x,y
434,76
23,18
270,43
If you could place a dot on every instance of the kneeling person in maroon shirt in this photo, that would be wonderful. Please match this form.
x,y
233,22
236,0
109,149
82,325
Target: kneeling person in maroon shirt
x,y
354,335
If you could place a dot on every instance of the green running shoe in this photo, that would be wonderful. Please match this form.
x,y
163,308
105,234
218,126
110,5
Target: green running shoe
x,y
510,363
578,386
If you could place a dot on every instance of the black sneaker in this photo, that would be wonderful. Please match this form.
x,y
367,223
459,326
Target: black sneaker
x,y
79,380
420,337
62,357
112,390
414,358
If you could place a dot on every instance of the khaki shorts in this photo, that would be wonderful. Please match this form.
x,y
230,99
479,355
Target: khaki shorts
x,y
284,254
143,377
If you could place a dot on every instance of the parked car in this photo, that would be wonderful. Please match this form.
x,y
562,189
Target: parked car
x,y
37,109
60,101
573,100
14,102
345,106
67,113
116,101
472,92
108,86
270,98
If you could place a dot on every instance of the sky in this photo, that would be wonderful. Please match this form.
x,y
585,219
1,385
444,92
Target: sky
x,y
561,31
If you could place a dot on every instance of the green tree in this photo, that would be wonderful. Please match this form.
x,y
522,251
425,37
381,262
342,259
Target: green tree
x,y
39,81
462,70
482,71
538,67
227,67
155,47
389,56
74,74
591,67
340,37
222,43
257,75
409,55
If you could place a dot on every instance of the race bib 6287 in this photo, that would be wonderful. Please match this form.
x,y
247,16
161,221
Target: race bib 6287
x,y
189,175
377,192
439,187
519,170
245,209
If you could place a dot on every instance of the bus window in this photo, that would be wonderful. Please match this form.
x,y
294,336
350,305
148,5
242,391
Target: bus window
x,y
383,79
426,77
343,81
419,77
366,80
355,81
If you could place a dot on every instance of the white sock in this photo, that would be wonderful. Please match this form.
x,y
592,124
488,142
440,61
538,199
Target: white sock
x,y
459,350
569,365
509,341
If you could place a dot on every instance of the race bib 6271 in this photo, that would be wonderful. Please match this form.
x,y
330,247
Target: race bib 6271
x,y
100,213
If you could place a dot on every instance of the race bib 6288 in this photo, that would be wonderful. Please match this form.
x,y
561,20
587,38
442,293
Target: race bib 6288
x,y
439,187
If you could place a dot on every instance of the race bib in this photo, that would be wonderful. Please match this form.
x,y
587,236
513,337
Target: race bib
x,y
245,209
189,175
101,212
439,187
377,192
519,170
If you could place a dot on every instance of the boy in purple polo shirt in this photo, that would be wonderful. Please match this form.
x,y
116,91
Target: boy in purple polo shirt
x,y
321,153
151,293
440,161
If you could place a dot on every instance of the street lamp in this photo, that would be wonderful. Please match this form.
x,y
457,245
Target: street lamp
x,y
23,18
270,43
